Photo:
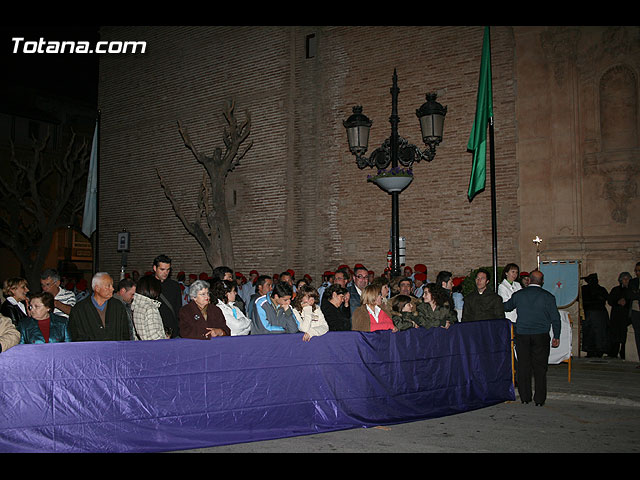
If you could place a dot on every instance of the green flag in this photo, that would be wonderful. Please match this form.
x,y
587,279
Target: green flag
x,y
484,111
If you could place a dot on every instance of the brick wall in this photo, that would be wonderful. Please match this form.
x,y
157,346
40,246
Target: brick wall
x,y
300,201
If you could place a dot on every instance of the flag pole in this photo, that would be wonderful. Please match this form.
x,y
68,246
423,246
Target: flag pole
x,y
494,221
478,143
96,248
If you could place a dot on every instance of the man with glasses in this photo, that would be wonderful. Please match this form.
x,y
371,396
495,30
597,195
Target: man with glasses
x,y
63,300
355,288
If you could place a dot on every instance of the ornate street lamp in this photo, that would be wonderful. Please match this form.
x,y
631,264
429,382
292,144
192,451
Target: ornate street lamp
x,y
396,150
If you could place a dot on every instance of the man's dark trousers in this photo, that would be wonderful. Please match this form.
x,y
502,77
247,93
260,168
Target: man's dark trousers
x,y
533,356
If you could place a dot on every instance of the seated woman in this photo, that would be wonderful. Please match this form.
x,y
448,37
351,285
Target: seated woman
x,y
434,310
9,334
199,319
403,312
224,293
43,326
145,307
308,314
370,316
335,313
15,306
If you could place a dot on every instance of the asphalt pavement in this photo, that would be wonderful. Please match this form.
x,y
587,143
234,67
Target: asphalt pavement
x,y
595,410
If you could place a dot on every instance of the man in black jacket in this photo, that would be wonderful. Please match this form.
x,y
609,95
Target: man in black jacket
x,y
482,303
99,316
634,286
171,296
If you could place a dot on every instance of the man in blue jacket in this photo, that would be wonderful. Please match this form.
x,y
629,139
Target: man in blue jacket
x,y
272,312
537,314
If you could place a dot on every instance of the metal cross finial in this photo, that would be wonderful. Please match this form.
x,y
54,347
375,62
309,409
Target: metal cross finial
x,y
537,241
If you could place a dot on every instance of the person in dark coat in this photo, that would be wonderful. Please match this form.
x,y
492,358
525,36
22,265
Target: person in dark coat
x,y
43,326
99,317
537,315
482,303
199,319
620,301
634,286
596,317
171,296
15,306
336,314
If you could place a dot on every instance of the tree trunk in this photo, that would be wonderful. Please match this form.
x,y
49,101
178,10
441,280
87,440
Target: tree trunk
x,y
211,226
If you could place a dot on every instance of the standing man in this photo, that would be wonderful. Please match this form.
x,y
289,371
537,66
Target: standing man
x,y
482,303
327,280
537,314
171,296
634,285
63,300
99,316
355,289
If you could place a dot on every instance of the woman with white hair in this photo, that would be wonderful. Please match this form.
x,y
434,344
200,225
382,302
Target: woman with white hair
x,y
199,319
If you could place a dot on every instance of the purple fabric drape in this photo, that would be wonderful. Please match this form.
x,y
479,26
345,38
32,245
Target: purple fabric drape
x,y
181,394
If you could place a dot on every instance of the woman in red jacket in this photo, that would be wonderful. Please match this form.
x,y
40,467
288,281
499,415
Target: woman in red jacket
x,y
372,314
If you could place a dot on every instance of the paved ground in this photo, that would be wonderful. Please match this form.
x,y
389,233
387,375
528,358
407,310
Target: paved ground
x,y
597,412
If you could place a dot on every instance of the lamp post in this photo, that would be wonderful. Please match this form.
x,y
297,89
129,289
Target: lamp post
x,y
396,151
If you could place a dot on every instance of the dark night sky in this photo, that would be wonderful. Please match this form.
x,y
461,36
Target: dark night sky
x,y
74,75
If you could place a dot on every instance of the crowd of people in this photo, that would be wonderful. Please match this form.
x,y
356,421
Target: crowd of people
x,y
154,306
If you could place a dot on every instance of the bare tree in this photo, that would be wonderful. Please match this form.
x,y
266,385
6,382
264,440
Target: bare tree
x,y
39,196
210,225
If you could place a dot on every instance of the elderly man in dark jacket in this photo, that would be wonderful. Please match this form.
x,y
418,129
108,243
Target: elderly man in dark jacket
x,y
99,316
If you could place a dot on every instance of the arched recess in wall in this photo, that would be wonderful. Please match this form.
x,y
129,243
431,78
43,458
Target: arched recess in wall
x,y
618,91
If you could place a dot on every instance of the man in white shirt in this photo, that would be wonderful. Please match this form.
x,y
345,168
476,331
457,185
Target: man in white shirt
x,y
63,300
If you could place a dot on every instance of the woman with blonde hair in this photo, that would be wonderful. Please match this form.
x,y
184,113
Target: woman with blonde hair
x,y
372,314
16,304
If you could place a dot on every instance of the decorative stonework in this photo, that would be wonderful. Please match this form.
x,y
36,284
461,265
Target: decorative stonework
x,y
559,45
608,81
619,193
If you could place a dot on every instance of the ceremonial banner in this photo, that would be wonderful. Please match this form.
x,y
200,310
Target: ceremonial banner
x,y
562,278
178,394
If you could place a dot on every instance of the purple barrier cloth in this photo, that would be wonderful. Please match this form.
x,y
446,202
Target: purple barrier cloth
x,y
182,394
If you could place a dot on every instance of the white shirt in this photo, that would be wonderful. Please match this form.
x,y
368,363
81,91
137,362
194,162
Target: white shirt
x,y
505,290
64,296
237,322
374,312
